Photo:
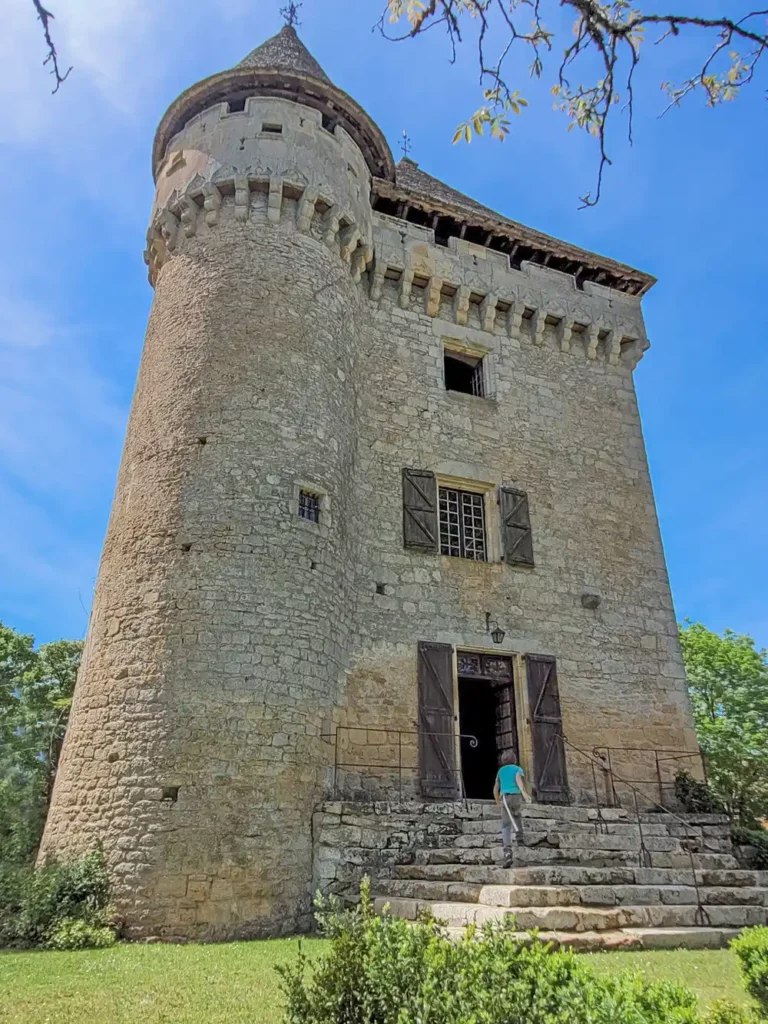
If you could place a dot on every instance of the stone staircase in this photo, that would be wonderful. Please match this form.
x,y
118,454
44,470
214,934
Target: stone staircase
x,y
582,877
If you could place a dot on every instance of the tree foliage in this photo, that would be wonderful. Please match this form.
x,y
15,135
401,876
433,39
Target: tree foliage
x,y
593,70
728,684
36,687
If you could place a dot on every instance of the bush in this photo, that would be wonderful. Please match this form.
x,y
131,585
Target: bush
x,y
72,933
751,947
695,796
36,902
756,837
725,1012
391,971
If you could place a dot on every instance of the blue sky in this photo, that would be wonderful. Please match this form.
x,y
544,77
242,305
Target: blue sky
x,y
686,203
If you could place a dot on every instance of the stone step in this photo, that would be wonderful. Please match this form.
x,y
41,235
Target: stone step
x,y
580,875
526,856
628,938
571,895
475,809
631,828
596,841
578,918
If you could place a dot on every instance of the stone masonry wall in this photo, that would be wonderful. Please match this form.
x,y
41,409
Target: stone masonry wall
x,y
296,342
565,428
221,619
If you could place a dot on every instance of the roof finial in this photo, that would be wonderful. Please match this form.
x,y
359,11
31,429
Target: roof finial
x,y
290,13
405,145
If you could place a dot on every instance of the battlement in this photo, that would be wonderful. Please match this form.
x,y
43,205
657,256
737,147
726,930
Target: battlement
x,y
476,286
462,282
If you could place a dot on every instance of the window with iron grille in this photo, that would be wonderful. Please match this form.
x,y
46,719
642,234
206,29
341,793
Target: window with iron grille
x,y
309,506
462,524
464,373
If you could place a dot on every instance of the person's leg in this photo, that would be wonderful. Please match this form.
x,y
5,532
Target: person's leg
x,y
516,806
506,831
513,832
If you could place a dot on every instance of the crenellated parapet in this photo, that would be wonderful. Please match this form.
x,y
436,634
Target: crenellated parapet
x,y
249,198
472,285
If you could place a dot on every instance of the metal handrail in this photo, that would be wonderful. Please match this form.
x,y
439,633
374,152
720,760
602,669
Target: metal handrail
x,y
702,916
660,755
399,733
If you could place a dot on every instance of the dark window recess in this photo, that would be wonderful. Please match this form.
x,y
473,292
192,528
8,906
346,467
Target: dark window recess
x,y
171,794
328,123
464,373
309,506
235,106
272,129
517,536
462,524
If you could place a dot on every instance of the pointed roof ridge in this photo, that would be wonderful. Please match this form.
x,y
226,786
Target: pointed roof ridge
x,y
284,52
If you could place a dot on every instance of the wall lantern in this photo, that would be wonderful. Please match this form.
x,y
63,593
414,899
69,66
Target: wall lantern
x,y
497,633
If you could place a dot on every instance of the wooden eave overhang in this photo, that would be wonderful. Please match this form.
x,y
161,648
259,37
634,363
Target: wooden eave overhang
x,y
521,243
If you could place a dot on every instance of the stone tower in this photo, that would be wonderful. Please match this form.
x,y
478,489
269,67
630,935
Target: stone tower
x,y
370,414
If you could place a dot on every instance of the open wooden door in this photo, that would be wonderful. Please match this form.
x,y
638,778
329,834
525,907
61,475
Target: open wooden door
x,y
437,750
550,778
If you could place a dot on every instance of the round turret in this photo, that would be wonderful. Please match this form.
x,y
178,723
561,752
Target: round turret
x,y
215,654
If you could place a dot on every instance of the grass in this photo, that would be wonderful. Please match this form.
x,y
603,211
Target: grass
x,y
232,982
237,983
710,973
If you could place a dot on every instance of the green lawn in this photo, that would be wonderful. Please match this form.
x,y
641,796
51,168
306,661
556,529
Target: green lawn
x,y
236,982
232,982
710,973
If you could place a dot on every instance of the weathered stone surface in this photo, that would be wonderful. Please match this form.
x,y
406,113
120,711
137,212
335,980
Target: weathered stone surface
x,y
296,343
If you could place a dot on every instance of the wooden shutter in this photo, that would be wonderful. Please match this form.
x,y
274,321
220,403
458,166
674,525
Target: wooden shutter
x,y
550,779
420,510
517,539
437,762
506,723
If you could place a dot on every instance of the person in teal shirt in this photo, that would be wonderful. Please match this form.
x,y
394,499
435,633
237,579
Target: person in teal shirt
x,y
509,792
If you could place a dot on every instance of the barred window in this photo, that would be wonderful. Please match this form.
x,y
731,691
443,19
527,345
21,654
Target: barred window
x,y
309,506
462,524
464,373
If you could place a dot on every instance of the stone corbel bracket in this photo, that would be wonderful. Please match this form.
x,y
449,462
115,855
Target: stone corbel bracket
x,y
534,305
245,197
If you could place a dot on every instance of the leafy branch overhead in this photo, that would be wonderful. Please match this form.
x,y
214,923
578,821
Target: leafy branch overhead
x,y
606,48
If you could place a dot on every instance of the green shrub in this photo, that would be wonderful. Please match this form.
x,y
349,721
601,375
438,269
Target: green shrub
x,y
73,933
756,837
393,972
725,1012
695,796
751,947
35,902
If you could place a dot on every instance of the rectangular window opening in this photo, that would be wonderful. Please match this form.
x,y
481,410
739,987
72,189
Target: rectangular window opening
x,y
462,524
236,106
272,129
309,506
464,373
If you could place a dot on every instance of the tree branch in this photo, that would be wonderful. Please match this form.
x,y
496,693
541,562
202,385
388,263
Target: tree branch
x,y
52,57
612,31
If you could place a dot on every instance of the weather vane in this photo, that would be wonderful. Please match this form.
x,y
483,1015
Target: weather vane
x,y
405,145
290,13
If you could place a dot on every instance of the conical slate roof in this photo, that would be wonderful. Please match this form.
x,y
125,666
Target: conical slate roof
x,y
284,52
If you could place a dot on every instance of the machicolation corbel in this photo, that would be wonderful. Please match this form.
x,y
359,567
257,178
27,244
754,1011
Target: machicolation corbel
x,y
212,203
